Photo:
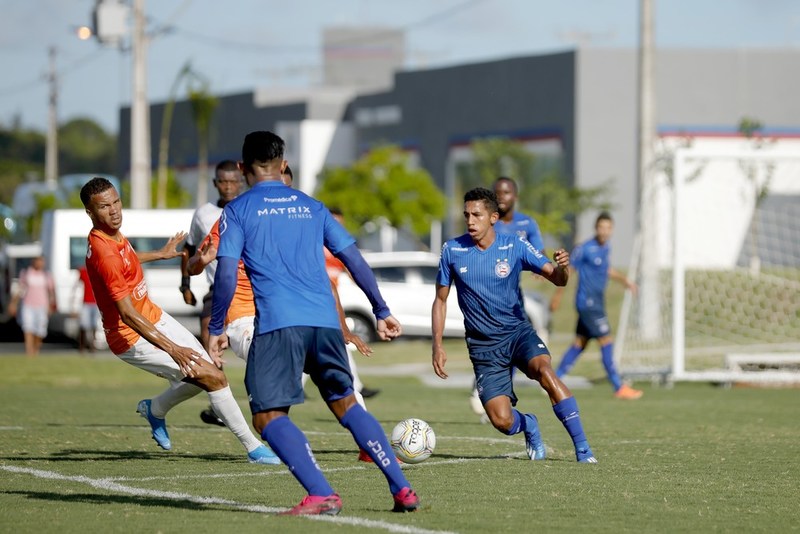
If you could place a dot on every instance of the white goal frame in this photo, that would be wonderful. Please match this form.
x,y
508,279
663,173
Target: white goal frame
x,y
683,159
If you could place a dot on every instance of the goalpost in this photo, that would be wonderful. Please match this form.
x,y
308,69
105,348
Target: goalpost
x,y
728,280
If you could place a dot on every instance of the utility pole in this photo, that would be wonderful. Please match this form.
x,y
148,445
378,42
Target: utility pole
x,y
51,148
140,114
650,307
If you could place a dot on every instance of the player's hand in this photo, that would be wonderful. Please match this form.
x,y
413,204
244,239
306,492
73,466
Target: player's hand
x,y
439,357
360,344
216,348
561,257
189,361
207,252
188,297
632,287
170,248
389,328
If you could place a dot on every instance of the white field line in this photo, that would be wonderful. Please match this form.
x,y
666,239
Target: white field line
x,y
108,485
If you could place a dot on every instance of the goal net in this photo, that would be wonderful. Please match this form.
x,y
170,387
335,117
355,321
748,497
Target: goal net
x,y
723,300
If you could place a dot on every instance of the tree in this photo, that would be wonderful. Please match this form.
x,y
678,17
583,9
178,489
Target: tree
x,y
383,184
543,191
751,129
203,105
85,147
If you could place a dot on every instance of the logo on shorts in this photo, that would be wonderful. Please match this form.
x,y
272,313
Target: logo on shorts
x,y
502,269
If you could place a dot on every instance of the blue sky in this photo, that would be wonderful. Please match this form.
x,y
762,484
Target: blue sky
x,y
242,44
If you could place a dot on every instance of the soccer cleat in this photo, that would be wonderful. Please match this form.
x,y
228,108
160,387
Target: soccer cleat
x,y
158,426
209,417
316,505
626,392
263,455
476,404
584,454
364,457
368,392
534,445
406,500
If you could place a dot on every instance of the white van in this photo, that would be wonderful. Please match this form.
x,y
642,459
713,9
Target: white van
x,y
63,239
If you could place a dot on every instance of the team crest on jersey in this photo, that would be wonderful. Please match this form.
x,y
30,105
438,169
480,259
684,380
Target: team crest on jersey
x,y
502,268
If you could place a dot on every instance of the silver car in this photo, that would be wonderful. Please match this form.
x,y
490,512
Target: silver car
x,y
407,281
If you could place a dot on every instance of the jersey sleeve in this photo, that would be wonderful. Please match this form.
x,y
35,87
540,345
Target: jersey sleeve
x,y
335,237
533,259
231,235
576,258
443,276
535,236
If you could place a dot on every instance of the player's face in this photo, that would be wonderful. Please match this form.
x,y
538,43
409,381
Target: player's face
x,y
105,210
478,219
506,196
228,184
604,230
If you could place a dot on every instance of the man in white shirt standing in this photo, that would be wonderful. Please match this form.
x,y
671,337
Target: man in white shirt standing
x,y
228,182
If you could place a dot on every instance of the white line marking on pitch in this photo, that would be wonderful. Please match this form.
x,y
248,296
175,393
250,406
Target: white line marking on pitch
x,y
109,485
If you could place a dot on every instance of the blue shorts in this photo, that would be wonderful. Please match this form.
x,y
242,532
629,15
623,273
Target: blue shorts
x,y
592,324
493,367
277,360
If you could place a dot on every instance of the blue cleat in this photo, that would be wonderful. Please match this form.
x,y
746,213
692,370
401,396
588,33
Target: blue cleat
x,y
158,426
263,455
584,454
533,439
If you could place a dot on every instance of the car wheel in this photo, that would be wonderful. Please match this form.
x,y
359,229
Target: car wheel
x,y
362,327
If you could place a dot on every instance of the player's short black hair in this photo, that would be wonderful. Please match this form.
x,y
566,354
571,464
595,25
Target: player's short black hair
x,y
481,193
336,211
92,187
509,180
226,166
603,216
261,146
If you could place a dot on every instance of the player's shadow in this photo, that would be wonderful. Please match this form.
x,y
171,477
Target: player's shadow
x,y
81,455
90,498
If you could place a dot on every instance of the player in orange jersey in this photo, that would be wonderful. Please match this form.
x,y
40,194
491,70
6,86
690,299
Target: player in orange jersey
x,y
143,335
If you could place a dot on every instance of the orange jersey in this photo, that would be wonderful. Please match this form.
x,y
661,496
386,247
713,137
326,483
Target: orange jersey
x,y
115,273
333,266
242,304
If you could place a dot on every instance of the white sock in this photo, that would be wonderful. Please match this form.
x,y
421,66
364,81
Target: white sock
x,y
174,395
227,409
357,384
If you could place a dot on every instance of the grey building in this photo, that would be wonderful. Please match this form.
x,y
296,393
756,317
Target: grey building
x,y
583,102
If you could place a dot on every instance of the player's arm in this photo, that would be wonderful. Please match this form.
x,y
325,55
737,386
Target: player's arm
x,y
349,337
168,251
438,315
558,294
388,327
183,356
202,257
622,279
185,287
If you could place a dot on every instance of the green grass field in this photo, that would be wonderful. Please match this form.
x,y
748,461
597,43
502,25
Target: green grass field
x,y
75,457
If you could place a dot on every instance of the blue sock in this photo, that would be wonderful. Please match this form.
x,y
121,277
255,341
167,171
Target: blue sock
x,y
568,360
607,351
369,435
518,425
292,447
567,413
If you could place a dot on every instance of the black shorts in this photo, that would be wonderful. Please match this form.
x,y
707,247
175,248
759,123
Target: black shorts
x,y
207,298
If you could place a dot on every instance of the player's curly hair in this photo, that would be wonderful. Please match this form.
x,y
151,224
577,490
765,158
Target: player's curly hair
x,y
92,187
481,193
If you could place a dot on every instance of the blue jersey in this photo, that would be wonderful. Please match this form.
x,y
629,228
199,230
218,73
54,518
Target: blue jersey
x,y
279,233
523,226
487,283
590,259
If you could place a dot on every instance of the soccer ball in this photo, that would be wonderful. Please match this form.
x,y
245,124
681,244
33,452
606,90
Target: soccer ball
x,y
413,440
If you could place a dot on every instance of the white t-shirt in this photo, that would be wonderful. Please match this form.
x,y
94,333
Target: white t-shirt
x,y
204,218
